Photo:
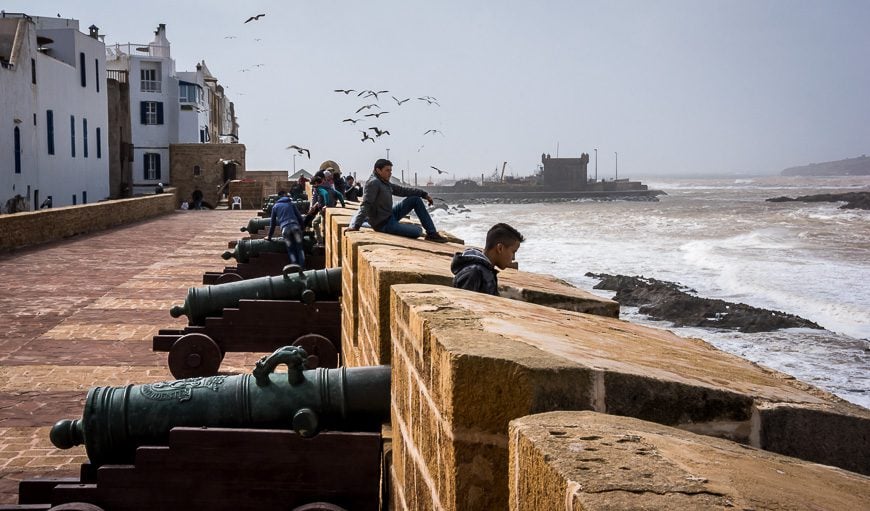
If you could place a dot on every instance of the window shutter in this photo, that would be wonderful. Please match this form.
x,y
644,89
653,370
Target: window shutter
x,y
144,165
160,112
143,118
157,162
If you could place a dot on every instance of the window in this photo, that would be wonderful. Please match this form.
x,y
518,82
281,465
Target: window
x,y
84,197
49,130
202,136
150,78
74,199
151,112
17,137
187,93
85,138
97,73
152,166
72,135
82,69
197,171
99,144
32,70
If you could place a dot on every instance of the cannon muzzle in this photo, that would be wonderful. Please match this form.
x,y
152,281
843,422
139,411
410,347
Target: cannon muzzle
x,y
117,420
294,284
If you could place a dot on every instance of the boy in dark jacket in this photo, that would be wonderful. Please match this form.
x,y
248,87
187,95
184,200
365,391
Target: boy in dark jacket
x,y
475,270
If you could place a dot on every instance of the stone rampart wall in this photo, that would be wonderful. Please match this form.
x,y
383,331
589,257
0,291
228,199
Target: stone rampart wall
x,y
34,227
464,365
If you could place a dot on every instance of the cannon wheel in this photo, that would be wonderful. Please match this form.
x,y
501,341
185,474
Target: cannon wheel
x,y
75,506
229,277
319,506
321,351
194,355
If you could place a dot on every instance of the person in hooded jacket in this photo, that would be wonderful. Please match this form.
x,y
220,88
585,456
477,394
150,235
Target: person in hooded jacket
x,y
475,269
285,214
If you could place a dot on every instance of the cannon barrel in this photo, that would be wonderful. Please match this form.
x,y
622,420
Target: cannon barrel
x,y
246,248
293,284
117,420
260,223
256,224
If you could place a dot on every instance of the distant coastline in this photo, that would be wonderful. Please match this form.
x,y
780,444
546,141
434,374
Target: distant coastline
x,y
849,167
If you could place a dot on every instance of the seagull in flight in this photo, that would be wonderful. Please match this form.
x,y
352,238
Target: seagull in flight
x,y
222,161
255,18
438,170
378,115
354,121
345,91
364,107
229,37
365,136
300,150
378,131
400,101
430,100
369,93
433,132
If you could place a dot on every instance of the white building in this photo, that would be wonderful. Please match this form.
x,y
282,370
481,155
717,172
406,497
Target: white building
x,y
166,107
53,112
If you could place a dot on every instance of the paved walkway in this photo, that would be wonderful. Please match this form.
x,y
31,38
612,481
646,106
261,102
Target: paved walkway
x,y
81,313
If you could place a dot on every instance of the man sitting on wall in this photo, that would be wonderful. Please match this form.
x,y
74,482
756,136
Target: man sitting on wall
x,y
377,206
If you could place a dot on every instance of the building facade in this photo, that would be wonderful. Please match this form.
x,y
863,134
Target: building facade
x,y
53,112
166,107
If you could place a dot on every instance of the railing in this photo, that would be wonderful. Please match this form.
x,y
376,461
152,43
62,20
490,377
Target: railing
x,y
150,85
118,75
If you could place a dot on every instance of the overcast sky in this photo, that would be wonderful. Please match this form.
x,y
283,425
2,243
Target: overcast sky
x,y
675,87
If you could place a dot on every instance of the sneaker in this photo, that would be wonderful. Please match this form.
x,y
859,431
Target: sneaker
x,y
437,238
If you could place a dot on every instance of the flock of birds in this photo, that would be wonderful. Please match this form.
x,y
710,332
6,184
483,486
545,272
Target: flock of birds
x,y
379,132
372,133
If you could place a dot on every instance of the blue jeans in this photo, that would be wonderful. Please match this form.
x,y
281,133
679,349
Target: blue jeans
x,y
401,210
293,239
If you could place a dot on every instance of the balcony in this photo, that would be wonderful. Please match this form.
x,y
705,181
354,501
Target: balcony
x,y
150,86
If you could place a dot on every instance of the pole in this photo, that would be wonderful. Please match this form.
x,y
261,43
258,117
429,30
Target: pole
x,y
388,153
294,163
616,155
403,176
596,165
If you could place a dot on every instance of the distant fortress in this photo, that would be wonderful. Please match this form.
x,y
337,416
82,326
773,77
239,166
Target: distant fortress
x,y
559,179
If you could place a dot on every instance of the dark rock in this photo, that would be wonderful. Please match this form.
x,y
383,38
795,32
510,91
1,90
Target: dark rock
x,y
672,302
853,200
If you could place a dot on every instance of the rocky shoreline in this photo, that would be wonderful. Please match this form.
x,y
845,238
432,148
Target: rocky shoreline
x,y
672,302
853,200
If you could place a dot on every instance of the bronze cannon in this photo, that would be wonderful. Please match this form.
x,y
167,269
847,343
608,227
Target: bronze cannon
x,y
117,420
293,284
247,248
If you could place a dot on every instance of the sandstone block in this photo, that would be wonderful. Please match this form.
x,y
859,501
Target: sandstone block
x,y
592,461
466,364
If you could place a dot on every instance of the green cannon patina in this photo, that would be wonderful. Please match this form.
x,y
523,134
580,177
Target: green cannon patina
x,y
117,420
247,248
293,284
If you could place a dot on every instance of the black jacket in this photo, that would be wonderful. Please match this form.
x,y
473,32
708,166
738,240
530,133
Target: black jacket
x,y
473,271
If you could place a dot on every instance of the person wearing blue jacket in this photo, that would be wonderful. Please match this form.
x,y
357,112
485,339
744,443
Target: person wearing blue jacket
x,y
285,215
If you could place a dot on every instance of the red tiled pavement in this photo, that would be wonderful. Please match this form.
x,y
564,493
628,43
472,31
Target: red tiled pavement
x,y
81,313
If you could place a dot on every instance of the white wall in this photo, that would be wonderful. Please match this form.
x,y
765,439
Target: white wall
x,y
17,101
62,175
